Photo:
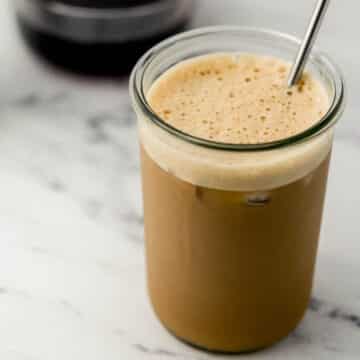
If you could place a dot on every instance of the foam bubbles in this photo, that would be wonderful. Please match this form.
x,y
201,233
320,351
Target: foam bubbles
x,y
237,99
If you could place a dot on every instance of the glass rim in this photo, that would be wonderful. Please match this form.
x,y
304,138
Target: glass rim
x,y
327,121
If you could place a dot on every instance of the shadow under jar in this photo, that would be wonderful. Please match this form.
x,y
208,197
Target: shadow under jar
x,y
101,37
231,230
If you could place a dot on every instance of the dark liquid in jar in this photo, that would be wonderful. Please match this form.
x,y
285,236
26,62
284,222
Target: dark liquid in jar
x,y
96,58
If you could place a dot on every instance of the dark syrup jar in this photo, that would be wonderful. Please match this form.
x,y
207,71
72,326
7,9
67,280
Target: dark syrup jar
x,y
99,37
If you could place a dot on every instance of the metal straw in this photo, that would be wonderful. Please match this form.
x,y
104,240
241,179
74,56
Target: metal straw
x,y
308,42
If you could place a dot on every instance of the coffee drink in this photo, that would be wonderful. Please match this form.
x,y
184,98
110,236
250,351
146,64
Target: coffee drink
x,y
99,37
231,236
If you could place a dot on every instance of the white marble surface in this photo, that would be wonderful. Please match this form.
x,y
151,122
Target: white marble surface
x,y
71,246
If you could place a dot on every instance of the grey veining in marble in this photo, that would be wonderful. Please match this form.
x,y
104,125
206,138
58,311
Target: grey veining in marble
x,y
71,246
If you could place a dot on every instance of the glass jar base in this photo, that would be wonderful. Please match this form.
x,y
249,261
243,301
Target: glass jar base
x,y
213,351
238,350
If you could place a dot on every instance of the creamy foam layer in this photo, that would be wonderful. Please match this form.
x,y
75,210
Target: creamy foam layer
x,y
235,99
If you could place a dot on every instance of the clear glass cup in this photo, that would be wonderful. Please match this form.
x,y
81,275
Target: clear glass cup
x,y
231,230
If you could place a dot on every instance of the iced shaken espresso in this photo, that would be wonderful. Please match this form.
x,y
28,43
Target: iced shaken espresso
x,y
233,191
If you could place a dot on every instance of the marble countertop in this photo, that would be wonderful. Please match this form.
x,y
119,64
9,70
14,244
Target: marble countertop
x,y
71,246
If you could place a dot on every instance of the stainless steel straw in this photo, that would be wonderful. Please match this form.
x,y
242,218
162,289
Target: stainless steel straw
x,y
308,42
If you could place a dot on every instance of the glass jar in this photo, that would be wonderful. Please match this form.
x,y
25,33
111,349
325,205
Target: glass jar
x,y
231,230
99,36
